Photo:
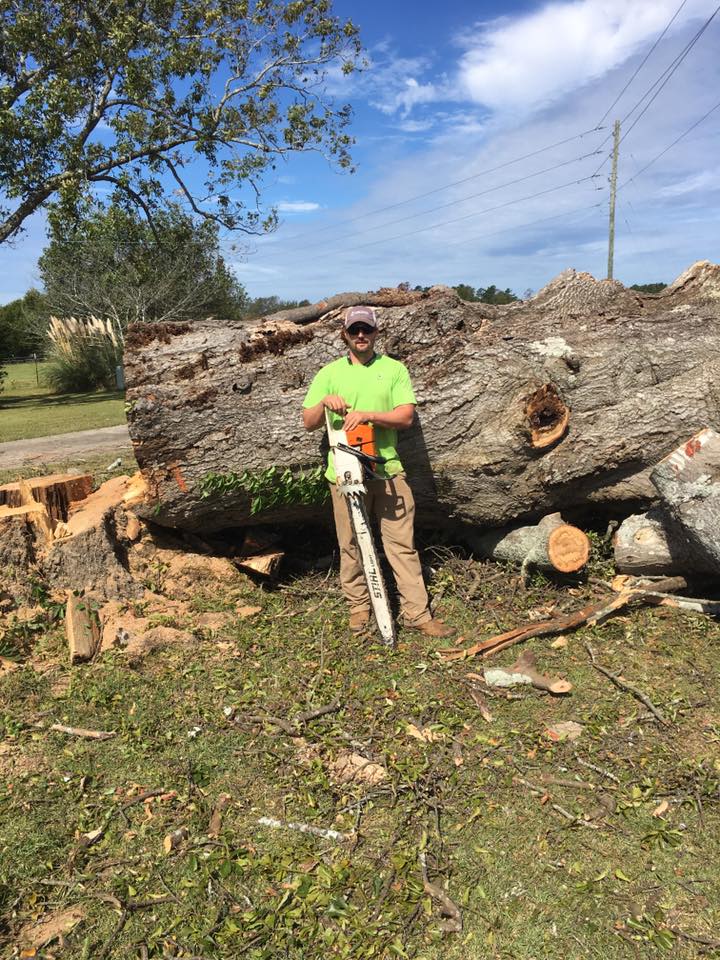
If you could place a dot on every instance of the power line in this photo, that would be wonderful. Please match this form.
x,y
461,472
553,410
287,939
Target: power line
x,y
477,213
599,126
479,236
644,61
681,58
662,80
522,226
674,143
472,196
456,183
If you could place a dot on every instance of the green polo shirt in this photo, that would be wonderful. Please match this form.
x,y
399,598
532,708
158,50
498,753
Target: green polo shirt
x,y
380,385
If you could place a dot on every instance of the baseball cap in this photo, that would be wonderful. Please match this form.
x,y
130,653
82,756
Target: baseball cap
x,y
360,315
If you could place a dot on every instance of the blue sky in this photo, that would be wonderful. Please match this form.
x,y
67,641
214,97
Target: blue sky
x,y
460,92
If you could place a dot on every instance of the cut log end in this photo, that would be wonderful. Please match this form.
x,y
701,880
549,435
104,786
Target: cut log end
x,y
547,416
568,549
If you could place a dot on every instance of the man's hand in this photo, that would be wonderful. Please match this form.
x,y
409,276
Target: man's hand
x,y
355,418
335,403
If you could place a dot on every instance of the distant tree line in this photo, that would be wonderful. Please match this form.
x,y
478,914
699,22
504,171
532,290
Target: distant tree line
x,y
648,287
491,294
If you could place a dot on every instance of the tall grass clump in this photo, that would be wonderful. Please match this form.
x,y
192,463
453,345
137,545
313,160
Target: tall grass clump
x,y
83,354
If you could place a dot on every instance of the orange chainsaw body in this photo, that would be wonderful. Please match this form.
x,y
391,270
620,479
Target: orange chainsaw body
x,y
362,438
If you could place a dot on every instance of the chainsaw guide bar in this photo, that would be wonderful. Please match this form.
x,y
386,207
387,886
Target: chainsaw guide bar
x,y
354,457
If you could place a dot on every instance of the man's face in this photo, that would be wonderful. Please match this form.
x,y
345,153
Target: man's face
x,y
361,338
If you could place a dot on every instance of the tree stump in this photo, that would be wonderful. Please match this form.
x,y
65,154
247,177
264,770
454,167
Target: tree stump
x,y
90,551
55,492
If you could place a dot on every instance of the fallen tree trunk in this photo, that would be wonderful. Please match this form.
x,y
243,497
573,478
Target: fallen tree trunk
x,y
564,401
550,545
688,481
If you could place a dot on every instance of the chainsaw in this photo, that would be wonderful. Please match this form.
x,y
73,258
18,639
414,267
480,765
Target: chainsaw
x,y
355,458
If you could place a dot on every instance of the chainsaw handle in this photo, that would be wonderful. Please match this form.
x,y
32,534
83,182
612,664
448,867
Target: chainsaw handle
x,y
368,457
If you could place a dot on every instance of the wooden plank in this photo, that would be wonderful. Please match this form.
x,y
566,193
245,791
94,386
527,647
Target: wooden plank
x,y
82,629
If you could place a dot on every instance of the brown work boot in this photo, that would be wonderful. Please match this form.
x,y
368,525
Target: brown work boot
x,y
359,621
432,628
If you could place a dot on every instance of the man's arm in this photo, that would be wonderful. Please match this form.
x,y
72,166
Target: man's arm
x,y
399,418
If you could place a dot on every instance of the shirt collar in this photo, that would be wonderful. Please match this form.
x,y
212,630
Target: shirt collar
x,y
370,362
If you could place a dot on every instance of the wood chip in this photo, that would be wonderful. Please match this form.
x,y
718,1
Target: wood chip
x,y
173,840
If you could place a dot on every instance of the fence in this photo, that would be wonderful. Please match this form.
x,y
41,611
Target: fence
x,y
35,358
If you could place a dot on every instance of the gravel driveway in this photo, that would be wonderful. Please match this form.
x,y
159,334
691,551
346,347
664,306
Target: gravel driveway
x,y
63,446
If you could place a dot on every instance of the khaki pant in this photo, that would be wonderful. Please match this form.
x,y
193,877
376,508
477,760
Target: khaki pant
x,y
392,503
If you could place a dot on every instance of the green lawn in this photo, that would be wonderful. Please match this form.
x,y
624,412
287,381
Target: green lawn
x,y
607,847
28,408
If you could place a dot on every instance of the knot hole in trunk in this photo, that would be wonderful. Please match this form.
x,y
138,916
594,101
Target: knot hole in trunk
x,y
547,416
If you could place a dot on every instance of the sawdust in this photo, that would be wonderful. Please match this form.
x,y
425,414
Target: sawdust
x,y
354,768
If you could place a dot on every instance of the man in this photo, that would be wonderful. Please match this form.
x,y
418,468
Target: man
x,y
366,387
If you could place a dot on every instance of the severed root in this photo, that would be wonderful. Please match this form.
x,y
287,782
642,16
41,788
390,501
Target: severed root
x,y
448,909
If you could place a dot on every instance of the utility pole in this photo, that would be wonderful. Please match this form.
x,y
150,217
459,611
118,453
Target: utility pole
x,y
613,195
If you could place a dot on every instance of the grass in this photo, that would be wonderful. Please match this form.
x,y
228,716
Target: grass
x,y
28,408
636,874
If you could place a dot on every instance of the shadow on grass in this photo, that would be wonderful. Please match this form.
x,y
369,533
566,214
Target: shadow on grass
x,y
44,399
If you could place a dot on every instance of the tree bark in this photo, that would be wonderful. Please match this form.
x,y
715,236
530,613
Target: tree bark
x,y
688,481
652,544
563,401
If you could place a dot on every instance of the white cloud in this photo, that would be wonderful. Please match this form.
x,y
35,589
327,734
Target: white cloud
x,y
528,62
297,206
416,126
408,94
389,82
698,183
523,63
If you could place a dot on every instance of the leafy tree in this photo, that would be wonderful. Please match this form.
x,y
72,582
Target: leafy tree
x,y
113,264
131,94
19,334
264,306
491,294
466,292
648,287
